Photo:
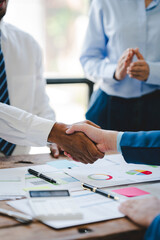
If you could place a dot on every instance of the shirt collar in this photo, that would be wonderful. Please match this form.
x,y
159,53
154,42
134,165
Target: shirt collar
x,y
153,4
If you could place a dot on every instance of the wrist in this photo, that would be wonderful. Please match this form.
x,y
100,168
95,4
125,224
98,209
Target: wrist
x,y
117,76
57,133
111,141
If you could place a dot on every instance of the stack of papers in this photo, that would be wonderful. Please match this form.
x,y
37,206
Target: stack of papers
x,y
94,208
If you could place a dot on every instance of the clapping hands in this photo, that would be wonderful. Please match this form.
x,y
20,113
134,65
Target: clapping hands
x,y
138,70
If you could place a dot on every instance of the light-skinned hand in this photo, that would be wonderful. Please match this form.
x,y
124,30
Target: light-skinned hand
x,y
139,69
106,141
55,150
89,123
141,211
123,63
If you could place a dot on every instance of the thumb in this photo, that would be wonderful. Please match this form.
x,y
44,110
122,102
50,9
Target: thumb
x,y
138,54
91,124
75,128
55,151
101,147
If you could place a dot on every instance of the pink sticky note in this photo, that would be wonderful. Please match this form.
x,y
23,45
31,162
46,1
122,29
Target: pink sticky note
x,y
130,192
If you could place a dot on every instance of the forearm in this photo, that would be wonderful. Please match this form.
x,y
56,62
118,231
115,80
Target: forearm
x,y
141,147
22,128
96,68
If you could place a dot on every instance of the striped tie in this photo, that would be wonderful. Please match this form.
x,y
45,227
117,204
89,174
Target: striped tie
x,y
5,147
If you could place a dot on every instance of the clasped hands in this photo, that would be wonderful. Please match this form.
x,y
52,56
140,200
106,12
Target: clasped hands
x,y
138,70
77,145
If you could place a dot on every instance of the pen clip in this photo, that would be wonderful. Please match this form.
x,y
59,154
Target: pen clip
x,y
85,188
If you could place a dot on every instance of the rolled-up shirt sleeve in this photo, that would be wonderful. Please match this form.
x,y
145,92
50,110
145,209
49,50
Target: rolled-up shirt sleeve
x,y
23,128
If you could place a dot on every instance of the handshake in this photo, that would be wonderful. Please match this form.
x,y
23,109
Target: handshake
x,y
76,144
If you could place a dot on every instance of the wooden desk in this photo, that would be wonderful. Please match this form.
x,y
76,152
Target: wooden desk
x,y
119,229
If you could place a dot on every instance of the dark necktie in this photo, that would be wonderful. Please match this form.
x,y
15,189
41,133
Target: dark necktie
x,y
5,147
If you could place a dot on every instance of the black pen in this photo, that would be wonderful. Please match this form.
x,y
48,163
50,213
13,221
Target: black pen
x,y
42,176
99,191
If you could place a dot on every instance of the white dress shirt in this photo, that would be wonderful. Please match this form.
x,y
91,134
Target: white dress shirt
x,y
24,69
114,26
23,128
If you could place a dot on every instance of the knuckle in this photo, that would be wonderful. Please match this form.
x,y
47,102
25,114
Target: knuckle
x,y
87,121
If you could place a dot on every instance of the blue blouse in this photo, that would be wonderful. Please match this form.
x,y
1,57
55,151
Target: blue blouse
x,y
114,26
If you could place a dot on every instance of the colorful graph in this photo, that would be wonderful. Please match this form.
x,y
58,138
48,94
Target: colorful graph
x,y
139,172
100,177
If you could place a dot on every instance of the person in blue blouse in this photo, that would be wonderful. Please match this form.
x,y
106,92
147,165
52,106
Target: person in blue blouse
x,y
121,51
136,147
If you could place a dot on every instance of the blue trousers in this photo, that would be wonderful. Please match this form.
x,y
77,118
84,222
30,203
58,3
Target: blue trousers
x,y
121,114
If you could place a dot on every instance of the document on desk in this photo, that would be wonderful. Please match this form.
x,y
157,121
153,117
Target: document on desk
x,y
12,182
108,172
16,182
94,208
64,181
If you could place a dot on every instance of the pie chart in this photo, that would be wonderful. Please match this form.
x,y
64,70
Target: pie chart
x,y
100,177
139,172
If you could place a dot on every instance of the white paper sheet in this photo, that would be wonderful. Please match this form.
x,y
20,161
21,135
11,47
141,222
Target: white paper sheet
x,y
11,183
94,207
113,171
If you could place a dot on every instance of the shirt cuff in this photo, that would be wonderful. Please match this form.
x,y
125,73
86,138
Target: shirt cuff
x,y
39,131
110,71
154,73
119,137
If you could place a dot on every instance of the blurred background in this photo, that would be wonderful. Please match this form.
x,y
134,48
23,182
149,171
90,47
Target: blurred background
x,y
59,27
